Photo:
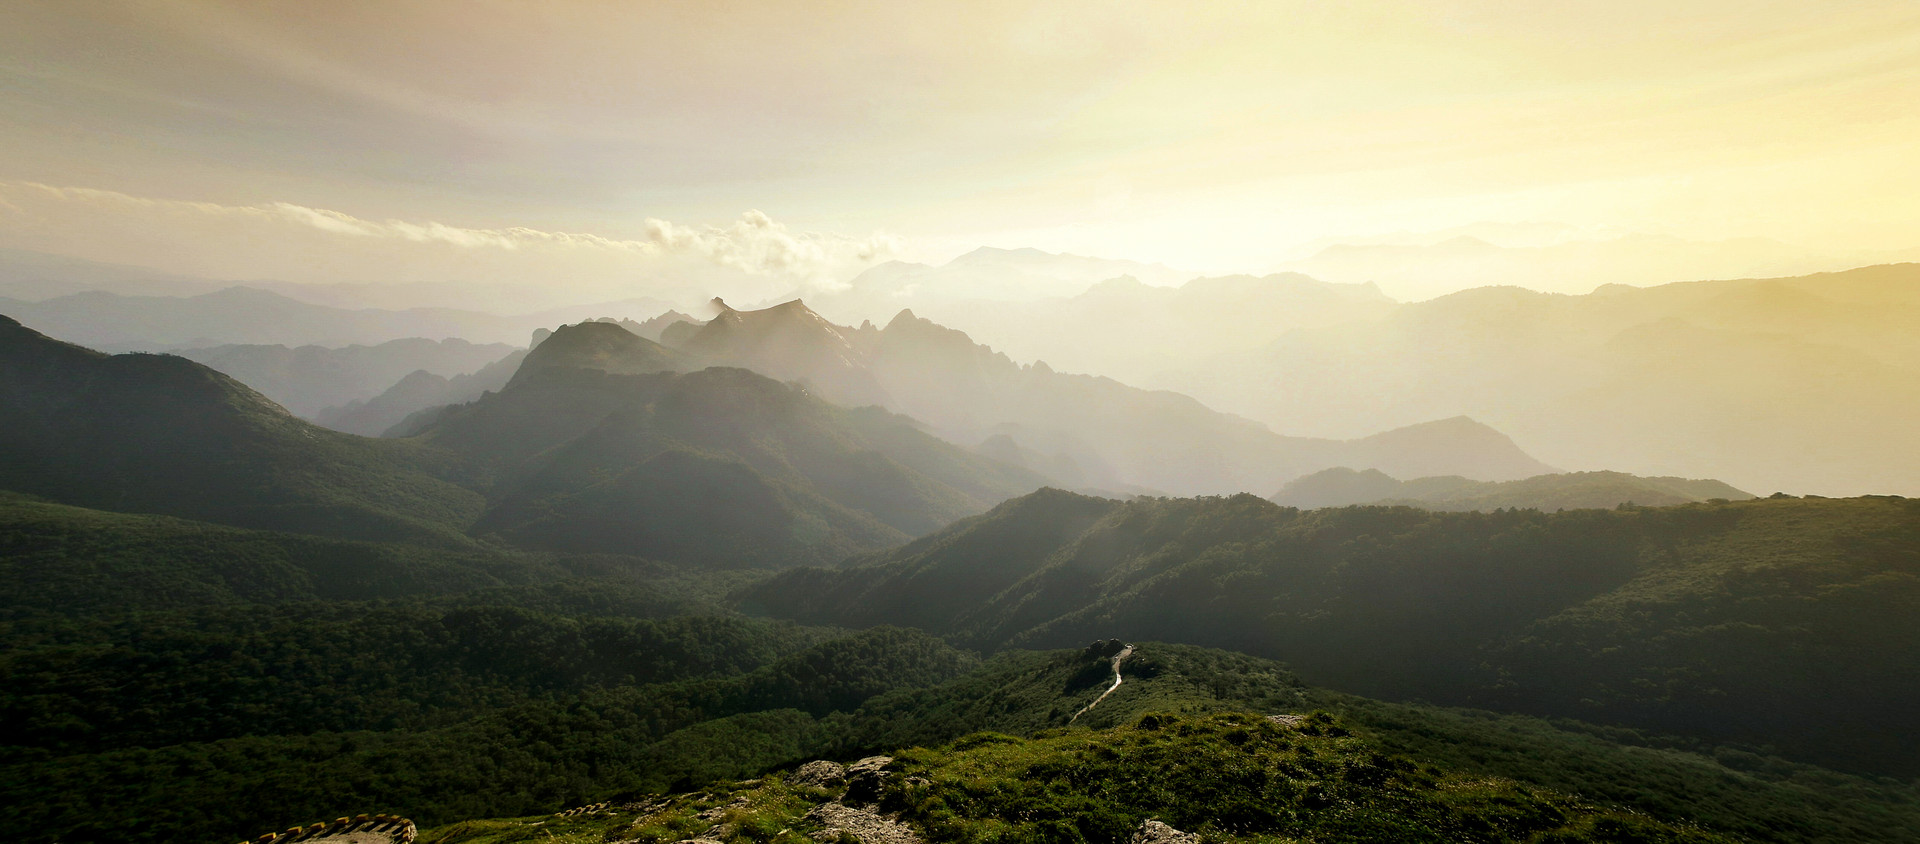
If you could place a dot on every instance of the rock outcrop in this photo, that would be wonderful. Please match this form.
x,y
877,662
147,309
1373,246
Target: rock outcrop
x,y
359,829
820,774
1155,832
865,779
838,819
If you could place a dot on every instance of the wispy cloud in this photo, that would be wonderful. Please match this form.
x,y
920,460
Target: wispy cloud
x,y
755,243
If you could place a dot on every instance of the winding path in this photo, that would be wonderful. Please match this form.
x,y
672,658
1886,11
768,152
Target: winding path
x,y
1117,659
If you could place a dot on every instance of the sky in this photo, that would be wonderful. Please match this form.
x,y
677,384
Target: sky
x,y
659,148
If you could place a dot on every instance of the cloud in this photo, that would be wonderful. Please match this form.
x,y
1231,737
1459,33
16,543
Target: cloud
x,y
755,243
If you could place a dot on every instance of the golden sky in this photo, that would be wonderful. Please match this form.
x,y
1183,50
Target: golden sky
x,y
312,141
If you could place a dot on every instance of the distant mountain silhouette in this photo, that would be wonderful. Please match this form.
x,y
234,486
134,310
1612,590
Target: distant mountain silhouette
x,y
716,467
309,379
1419,271
602,346
788,342
719,466
162,434
421,390
655,328
251,316
1803,384
1341,487
1751,620
27,276
1136,332
987,273
418,391
1083,431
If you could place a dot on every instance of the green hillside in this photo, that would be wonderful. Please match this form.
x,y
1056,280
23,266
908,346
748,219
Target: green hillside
x,y
258,719
439,715
219,620
161,434
1227,777
71,560
603,346
719,466
1786,623
1186,737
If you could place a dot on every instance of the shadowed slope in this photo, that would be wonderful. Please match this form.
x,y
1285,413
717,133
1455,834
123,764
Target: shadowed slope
x,y
604,346
720,466
1790,623
1082,431
162,434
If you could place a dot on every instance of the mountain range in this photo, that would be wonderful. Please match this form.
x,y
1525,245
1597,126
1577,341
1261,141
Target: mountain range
x,y
1798,384
222,618
309,379
1793,383
723,466
1341,487
252,316
162,434
1128,329
987,273
598,445
1083,431
417,391
1422,270
421,390
1626,616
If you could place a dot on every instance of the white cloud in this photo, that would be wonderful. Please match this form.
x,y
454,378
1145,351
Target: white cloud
x,y
754,244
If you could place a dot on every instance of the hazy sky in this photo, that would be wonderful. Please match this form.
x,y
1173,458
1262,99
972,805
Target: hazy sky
x,y
624,145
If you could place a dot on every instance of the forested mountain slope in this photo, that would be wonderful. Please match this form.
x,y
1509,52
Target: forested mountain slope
x,y
1083,431
720,466
162,434
56,558
445,715
1785,623
418,391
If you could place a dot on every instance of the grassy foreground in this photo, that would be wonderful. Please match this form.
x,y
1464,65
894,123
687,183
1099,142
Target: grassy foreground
x,y
1226,776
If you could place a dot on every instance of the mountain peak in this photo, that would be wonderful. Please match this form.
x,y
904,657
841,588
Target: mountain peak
x,y
793,306
993,253
906,317
606,346
1446,447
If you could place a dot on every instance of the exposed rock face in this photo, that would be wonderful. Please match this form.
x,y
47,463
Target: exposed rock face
x,y
1155,832
865,778
717,812
360,829
820,774
1287,720
868,827
722,828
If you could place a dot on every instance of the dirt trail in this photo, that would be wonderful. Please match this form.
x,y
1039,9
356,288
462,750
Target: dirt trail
x,y
1117,659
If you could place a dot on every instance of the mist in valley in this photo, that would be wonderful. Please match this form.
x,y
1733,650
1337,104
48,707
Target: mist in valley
x,y
1413,420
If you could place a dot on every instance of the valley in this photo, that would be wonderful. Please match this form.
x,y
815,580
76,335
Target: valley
x,y
638,568
645,422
